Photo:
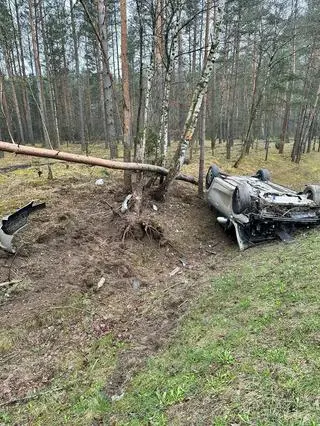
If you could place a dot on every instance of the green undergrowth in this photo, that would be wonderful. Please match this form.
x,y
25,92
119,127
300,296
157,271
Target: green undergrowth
x,y
247,353
76,394
18,187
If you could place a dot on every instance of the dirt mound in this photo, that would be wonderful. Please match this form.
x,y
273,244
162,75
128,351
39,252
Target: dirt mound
x,y
76,280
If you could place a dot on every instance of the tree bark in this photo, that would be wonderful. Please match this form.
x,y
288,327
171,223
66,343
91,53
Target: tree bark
x,y
4,108
171,62
204,106
26,101
91,161
107,80
127,119
193,114
290,85
79,80
35,48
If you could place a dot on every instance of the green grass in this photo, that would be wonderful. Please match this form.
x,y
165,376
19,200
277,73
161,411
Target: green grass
x,y
247,353
76,396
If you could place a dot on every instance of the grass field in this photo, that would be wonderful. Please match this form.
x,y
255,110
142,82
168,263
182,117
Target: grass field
x,y
246,352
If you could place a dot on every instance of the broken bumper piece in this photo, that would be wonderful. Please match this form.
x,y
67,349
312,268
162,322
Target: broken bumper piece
x,y
13,223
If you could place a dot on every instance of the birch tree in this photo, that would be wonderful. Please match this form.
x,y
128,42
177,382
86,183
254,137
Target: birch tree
x,y
208,21
195,106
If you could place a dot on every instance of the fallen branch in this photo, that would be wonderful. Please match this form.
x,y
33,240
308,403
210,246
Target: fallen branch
x,y
35,395
21,166
8,283
187,178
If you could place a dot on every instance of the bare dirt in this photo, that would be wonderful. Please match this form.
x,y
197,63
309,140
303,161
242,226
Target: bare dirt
x,y
58,306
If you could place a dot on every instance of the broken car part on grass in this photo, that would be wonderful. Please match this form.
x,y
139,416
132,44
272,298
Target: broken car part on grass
x,y
13,223
258,209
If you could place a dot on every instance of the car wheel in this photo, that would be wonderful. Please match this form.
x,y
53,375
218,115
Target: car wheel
x,y
263,174
213,172
313,193
241,199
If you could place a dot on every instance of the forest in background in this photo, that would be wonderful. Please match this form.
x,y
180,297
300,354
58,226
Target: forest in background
x,y
61,72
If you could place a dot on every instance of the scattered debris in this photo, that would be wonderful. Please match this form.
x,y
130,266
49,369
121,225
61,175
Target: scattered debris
x,y
125,204
183,262
136,283
117,397
14,222
101,282
174,271
211,252
155,208
99,182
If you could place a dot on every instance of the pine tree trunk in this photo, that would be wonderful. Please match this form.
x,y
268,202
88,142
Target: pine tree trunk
x,y
127,119
35,49
290,85
14,96
79,80
107,81
5,109
26,102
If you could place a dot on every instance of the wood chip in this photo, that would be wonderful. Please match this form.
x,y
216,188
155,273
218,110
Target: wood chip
x,y
101,282
175,271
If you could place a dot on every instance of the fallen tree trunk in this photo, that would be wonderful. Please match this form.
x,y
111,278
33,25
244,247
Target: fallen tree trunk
x,y
22,166
91,161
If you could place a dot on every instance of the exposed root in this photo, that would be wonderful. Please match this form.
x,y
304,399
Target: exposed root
x,y
152,231
127,231
139,228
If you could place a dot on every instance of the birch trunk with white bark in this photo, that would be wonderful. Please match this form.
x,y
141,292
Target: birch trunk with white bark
x,y
141,148
208,22
195,107
164,117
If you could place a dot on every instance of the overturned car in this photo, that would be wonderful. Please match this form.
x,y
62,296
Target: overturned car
x,y
259,209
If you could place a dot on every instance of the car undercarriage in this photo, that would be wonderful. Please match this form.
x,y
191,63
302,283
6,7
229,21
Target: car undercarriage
x,y
258,209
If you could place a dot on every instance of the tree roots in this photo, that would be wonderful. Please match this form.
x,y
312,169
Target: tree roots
x,y
137,228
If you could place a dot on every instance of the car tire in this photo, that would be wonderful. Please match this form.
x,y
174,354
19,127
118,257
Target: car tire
x,y
212,173
241,199
263,174
313,193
